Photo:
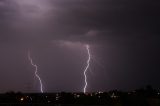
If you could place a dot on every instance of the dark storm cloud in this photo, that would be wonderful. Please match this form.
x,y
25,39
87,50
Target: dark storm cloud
x,y
126,32
73,20
109,18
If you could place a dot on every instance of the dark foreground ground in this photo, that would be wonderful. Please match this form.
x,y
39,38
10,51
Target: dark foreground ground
x,y
140,97
46,105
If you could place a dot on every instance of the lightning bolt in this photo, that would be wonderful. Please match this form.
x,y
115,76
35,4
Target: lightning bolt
x,y
86,68
36,71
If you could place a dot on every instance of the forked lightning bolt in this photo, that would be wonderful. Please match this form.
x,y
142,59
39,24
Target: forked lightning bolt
x,y
36,71
86,68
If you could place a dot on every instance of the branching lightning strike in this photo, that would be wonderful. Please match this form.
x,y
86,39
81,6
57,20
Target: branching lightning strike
x,y
86,68
36,71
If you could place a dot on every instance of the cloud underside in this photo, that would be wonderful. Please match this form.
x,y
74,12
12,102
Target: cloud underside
x,y
90,21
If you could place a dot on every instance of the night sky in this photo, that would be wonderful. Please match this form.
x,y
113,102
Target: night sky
x,y
124,39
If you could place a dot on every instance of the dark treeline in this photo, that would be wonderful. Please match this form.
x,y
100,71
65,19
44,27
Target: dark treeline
x,y
140,97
